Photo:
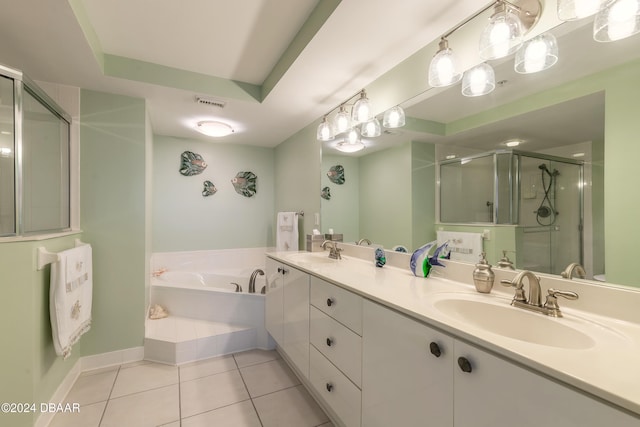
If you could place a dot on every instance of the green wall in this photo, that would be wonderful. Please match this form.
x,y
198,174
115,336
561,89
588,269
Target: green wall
x,y
297,178
112,180
31,371
184,220
342,211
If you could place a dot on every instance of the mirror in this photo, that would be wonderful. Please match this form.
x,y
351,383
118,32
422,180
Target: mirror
x,y
389,195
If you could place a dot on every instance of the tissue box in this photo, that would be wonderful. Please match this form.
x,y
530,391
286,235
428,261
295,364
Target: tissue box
x,y
335,237
314,242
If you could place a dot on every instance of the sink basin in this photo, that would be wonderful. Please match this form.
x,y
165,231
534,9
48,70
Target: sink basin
x,y
312,257
499,317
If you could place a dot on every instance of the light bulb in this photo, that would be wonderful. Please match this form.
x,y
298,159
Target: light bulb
x,y
480,80
371,129
537,54
503,35
325,133
352,137
442,69
361,111
394,117
342,120
571,10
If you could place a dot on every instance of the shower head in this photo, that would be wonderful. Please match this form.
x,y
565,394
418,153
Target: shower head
x,y
543,167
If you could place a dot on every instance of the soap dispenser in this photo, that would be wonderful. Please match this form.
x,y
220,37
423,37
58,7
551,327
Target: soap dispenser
x,y
483,276
505,262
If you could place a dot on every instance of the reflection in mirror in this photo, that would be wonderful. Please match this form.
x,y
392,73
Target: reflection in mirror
x,y
557,115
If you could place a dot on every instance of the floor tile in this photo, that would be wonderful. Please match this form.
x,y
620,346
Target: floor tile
x,y
149,408
90,389
293,407
253,357
144,377
203,368
211,392
100,370
268,377
89,416
329,424
241,414
173,424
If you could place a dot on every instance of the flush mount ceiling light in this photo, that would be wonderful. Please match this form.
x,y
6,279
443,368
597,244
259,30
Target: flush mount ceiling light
x,y
537,54
572,10
513,143
361,110
510,21
213,128
619,20
325,132
480,80
393,118
351,142
442,69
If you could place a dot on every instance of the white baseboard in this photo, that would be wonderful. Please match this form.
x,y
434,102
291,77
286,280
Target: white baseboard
x,y
88,363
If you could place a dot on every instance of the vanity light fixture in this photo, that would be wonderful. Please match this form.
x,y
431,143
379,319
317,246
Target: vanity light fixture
x,y
442,69
213,128
393,118
371,129
509,22
537,54
361,110
618,20
572,10
479,80
325,131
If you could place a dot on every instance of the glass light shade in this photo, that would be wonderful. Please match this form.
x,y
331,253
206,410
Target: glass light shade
x,y
442,69
325,133
502,36
619,20
342,121
537,54
361,111
346,147
213,128
371,129
393,117
571,10
480,80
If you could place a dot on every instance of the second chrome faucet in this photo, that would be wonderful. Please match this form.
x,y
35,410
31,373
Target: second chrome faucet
x,y
534,303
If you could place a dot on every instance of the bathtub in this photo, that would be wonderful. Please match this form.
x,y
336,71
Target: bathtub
x,y
200,285
218,281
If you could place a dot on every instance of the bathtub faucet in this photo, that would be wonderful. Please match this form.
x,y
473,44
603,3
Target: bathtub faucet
x,y
252,280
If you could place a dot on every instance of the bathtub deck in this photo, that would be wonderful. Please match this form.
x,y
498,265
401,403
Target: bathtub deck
x,y
176,340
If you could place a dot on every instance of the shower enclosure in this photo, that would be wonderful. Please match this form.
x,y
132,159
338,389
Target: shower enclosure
x,y
539,196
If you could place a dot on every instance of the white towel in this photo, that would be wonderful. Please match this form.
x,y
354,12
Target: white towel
x,y
70,297
463,246
287,232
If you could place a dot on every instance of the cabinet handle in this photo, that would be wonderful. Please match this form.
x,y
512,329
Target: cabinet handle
x,y
464,364
329,387
280,269
434,348
285,271
330,302
329,342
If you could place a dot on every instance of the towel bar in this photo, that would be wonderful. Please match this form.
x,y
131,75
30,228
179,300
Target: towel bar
x,y
45,257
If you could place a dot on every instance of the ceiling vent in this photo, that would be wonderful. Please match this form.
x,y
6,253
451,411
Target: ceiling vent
x,y
210,102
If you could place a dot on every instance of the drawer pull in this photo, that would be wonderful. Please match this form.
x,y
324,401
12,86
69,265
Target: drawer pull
x,y
464,364
434,348
329,342
329,387
330,302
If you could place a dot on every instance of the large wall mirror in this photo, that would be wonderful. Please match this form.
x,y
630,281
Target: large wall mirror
x,y
453,146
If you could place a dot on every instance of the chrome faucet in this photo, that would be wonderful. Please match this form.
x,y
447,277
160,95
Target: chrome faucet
x,y
361,241
550,307
252,280
334,251
574,266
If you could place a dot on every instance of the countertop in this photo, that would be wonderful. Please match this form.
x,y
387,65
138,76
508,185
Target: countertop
x,y
608,370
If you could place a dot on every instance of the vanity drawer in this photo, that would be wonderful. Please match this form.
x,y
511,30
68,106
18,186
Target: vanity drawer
x,y
339,344
342,305
337,391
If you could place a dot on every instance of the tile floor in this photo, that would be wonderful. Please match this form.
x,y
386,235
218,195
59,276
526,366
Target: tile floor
x,y
250,389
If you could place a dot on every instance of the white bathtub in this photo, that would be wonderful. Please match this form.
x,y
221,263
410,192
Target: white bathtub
x,y
221,281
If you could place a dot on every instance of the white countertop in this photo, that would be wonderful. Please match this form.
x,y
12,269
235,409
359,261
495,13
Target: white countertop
x,y
609,369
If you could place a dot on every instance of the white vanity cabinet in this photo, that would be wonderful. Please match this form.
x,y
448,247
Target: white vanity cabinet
x,y
287,312
409,381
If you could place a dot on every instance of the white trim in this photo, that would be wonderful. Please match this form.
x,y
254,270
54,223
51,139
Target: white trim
x,y
59,395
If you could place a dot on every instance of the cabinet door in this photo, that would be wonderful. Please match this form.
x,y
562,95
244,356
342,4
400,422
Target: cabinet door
x,y
274,308
406,380
497,393
296,318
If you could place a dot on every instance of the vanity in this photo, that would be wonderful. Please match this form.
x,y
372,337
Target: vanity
x,y
380,347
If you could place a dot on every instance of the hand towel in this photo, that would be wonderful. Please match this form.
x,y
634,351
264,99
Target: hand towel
x,y
70,297
287,232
